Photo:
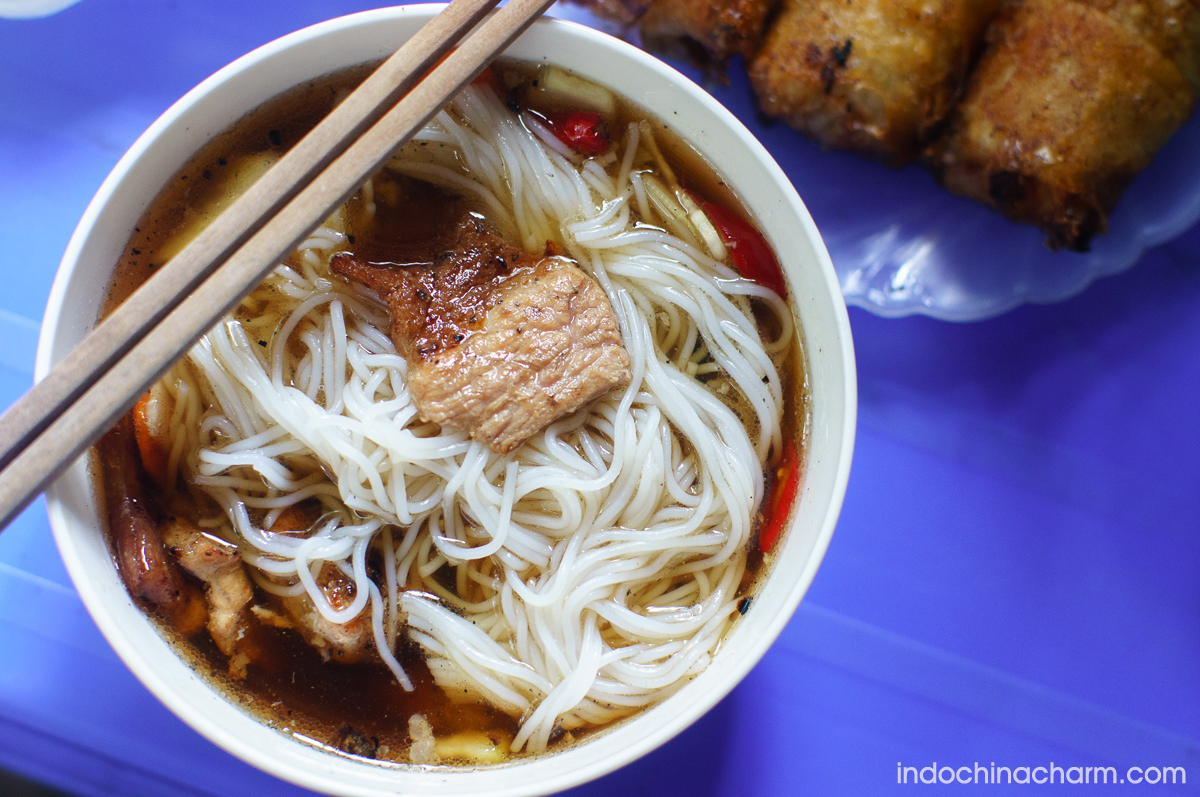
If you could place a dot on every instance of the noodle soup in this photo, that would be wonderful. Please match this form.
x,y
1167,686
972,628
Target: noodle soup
x,y
359,697
399,590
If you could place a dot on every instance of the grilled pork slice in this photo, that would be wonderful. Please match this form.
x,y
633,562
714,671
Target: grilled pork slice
x,y
499,343
876,76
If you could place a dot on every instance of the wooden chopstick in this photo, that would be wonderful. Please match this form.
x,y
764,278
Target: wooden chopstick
x,y
303,162
80,399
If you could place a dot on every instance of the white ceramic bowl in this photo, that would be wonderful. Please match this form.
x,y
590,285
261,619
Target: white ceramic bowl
x,y
223,99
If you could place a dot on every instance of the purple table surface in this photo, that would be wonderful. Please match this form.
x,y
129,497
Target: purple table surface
x,y
1015,577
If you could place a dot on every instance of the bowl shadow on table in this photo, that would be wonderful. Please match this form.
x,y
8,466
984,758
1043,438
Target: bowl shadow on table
x,y
692,763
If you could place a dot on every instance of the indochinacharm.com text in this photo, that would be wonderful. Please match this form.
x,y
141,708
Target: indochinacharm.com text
x,y
1039,774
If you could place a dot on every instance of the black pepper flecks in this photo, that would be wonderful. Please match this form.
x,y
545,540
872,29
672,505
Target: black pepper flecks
x,y
351,741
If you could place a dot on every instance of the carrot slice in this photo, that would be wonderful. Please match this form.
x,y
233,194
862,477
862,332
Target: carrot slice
x,y
154,456
488,78
485,78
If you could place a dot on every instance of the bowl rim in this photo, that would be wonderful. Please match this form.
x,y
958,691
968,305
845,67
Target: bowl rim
x,y
177,696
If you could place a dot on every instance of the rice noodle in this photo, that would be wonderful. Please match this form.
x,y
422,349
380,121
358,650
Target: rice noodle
x,y
597,564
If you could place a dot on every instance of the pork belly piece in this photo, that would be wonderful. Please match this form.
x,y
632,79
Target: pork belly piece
x,y
499,343
218,565
345,642
1070,100
875,76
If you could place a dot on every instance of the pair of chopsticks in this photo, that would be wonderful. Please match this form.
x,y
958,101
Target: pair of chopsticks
x,y
44,432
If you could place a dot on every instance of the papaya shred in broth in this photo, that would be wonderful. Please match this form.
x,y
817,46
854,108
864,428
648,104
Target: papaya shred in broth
x,y
359,708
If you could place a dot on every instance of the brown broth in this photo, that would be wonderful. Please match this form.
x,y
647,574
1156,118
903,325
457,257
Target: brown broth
x,y
294,689
359,709
206,179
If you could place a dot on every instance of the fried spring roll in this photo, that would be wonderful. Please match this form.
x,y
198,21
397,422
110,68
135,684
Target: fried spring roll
x,y
876,76
626,12
1070,100
1170,26
722,28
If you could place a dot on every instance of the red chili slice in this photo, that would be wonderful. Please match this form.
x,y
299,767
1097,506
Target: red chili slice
x,y
751,254
581,131
787,484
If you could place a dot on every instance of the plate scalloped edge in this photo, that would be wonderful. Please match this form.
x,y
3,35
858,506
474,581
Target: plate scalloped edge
x,y
949,258
902,245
